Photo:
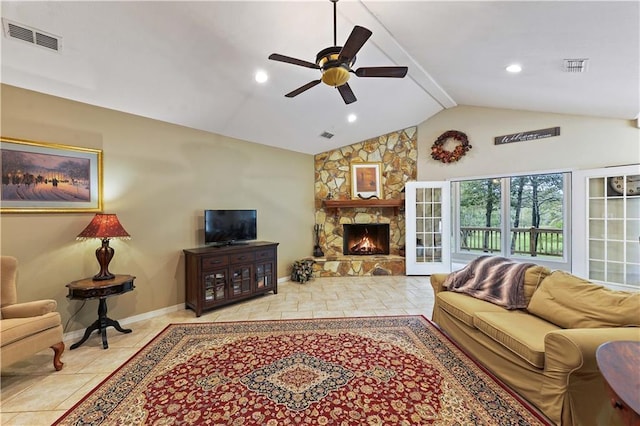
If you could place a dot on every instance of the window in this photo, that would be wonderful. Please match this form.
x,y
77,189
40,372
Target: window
x,y
523,216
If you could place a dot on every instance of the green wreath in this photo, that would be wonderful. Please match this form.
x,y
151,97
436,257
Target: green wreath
x,y
445,156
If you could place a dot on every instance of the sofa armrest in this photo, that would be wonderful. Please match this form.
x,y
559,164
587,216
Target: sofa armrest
x,y
436,282
571,349
29,309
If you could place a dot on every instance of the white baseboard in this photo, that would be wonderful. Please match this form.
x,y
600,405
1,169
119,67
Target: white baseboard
x,y
73,335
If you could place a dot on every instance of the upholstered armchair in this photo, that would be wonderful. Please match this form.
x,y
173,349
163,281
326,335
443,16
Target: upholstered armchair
x,y
26,328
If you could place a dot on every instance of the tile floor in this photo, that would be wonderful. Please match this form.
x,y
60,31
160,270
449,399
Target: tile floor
x,y
33,394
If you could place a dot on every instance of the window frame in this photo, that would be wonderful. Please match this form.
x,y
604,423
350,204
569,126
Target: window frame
x,y
459,257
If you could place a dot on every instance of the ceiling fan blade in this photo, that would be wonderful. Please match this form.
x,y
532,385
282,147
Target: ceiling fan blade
x,y
354,43
395,72
301,89
347,94
294,61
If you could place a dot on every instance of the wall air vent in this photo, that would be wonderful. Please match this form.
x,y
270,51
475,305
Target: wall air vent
x,y
326,135
31,35
575,65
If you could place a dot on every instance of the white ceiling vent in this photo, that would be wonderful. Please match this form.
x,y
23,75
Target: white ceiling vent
x,y
326,135
31,35
575,65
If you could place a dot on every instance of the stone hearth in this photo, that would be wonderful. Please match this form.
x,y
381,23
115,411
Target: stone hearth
x,y
341,266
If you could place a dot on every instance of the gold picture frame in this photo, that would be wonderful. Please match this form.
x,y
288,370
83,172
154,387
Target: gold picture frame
x,y
366,180
39,177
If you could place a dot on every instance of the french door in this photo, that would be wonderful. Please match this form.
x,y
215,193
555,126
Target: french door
x,y
428,228
607,226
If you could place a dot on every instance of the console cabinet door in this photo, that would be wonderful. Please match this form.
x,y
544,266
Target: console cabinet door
x,y
264,276
241,279
215,286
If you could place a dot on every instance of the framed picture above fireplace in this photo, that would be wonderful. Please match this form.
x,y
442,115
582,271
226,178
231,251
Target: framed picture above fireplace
x,y
366,180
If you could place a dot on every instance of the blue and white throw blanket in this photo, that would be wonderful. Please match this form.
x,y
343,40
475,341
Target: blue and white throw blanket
x,y
492,278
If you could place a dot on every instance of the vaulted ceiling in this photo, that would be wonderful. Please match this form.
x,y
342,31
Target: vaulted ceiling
x,y
193,63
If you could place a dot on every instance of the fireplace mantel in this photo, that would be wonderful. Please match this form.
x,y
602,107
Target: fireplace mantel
x,y
336,205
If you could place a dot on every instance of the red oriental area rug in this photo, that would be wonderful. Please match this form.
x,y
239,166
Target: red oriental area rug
x,y
351,371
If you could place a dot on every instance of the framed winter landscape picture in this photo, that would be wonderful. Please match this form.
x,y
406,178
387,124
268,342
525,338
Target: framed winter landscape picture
x,y
49,178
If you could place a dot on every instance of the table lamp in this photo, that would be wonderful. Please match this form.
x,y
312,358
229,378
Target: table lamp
x,y
105,227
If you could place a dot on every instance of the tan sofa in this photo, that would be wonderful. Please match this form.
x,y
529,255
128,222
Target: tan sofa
x,y
26,328
546,352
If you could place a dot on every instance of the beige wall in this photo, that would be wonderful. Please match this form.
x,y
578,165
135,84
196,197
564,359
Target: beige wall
x,y
158,178
584,142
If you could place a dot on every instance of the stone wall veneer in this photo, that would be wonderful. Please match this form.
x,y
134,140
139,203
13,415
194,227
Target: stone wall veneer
x,y
398,153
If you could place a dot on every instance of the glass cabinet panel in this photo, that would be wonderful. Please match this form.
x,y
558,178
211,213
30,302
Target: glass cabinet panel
x,y
214,285
264,274
241,280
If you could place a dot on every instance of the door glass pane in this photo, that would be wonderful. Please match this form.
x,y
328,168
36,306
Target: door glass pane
x,y
633,252
596,250
596,187
633,273
615,229
633,207
615,273
480,215
596,270
596,209
615,209
596,229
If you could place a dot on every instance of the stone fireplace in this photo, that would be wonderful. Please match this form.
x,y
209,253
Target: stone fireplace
x,y
365,239
397,153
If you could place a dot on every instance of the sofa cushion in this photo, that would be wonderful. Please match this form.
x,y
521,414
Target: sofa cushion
x,y
533,276
521,333
464,307
572,302
14,329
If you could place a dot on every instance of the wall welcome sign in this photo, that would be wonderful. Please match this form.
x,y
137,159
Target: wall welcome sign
x,y
527,136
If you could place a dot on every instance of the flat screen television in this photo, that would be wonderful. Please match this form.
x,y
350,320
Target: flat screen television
x,y
226,227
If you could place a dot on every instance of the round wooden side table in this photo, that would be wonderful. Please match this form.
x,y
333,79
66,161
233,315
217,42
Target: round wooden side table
x,y
619,363
88,288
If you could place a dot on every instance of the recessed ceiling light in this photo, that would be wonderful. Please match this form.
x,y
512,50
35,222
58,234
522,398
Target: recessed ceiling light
x,y
261,76
351,118
514,68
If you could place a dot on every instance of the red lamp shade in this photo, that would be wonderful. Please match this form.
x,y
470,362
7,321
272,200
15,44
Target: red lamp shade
x,y
104,226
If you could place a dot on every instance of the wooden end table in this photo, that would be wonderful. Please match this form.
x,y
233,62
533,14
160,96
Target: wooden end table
x,y
87,289
618,362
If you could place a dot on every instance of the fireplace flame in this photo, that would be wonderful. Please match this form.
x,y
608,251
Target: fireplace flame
x,y
365,245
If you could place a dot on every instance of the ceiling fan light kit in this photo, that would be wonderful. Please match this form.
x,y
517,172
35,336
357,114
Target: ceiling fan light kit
x,y
334,72
335,63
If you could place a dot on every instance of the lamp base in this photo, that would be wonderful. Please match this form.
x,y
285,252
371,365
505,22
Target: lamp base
x,y
104,254
102,277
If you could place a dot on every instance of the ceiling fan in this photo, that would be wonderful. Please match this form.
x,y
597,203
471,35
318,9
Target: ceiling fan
x,y
335,63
